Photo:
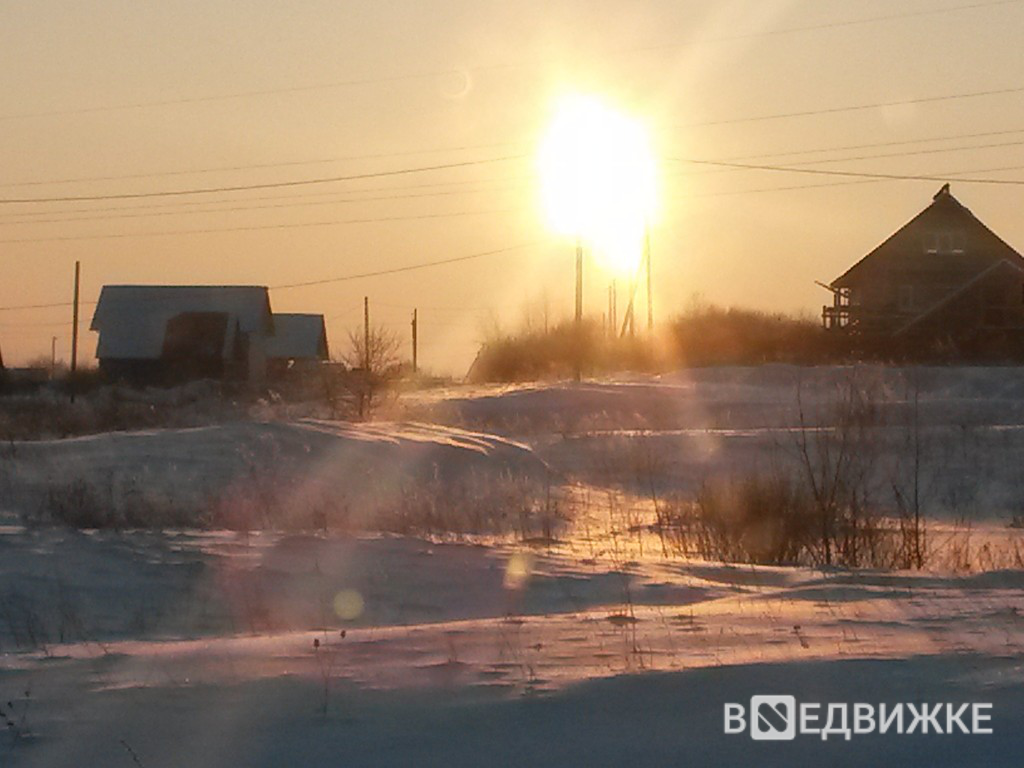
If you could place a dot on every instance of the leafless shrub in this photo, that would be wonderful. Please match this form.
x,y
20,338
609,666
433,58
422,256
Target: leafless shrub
x,y
505,504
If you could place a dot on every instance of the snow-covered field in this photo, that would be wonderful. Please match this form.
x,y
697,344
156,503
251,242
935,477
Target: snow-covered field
x,y
187,647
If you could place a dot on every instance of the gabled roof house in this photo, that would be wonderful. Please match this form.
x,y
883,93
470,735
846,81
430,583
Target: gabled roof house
x,y
169,333
944,281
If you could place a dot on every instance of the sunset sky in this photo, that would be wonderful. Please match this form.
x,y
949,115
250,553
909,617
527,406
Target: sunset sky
x,y
109,99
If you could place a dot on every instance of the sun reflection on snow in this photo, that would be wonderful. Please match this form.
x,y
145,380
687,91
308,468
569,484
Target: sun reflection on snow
x,y
348,604
518,570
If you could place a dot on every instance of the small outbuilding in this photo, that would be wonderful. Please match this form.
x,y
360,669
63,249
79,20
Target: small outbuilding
x,y
299,342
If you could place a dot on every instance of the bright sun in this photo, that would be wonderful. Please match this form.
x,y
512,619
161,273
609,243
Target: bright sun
x,y
598,180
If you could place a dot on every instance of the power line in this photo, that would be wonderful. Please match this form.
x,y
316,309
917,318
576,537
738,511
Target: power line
x,y
853,174
43,306
267,185
231,209
624,51
257,166
872,145
329,280
175,209
406,268
857,107
886,155
177,206
251,228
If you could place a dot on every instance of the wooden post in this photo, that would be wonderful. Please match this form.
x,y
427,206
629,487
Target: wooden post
x,y
366,334
578,353
632,311
74,329
579,281
610,317
415,331
650,301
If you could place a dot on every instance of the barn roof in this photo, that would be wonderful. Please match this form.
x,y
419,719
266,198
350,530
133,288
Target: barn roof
x,y
132,319
298,336
982,246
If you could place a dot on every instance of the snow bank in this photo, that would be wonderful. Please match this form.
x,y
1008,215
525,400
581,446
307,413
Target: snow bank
x,y
282,468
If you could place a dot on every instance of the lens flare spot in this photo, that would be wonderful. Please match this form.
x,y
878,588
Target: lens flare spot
x,y
348,604
518,570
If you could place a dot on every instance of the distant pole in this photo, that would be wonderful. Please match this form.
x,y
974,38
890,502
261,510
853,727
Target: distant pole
x,y
415,331
610,320
74,328
53,358
579,282
366,334
579,310
615,306
632,312
650,300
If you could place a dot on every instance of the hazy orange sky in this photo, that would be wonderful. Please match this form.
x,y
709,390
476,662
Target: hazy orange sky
x,y
115,98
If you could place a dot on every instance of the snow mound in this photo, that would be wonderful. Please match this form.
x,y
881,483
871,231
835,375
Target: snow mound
x,y
183,472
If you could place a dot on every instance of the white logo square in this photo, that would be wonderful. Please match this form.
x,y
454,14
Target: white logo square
x,y
772,718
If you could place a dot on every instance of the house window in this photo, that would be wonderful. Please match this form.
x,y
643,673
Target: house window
x,y
945,242
906,298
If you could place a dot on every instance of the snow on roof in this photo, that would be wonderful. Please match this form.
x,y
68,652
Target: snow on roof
x,y
132,319
298,336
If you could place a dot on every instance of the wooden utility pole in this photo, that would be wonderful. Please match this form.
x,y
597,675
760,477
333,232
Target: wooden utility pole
x,y
578,354
627,317
579,281
632,311
650,301
53,358
610,317
74,328
366,334
615,306
415,340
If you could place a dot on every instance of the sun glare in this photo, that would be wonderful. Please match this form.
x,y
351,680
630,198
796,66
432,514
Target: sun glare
x,y
598,180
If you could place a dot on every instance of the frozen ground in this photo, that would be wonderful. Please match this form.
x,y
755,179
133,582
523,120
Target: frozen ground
x,y
181,647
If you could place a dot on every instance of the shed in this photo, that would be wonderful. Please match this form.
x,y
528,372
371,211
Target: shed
x,y
299,340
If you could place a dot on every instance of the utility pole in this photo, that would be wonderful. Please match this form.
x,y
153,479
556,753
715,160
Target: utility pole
x,y
615,306
74,329
632,311
578,353
415,341
610,317
579,282
53,358
366,334
650,301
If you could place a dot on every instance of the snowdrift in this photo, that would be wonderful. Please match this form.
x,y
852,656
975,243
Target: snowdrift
x,y
273,471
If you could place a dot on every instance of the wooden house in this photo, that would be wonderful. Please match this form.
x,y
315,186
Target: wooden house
x,y
164,334
943,285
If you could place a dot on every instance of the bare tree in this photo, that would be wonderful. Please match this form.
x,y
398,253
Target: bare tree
x,y
374,360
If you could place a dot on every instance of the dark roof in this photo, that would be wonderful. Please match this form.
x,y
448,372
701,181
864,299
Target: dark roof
x,y
298,336
132,319
983,247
